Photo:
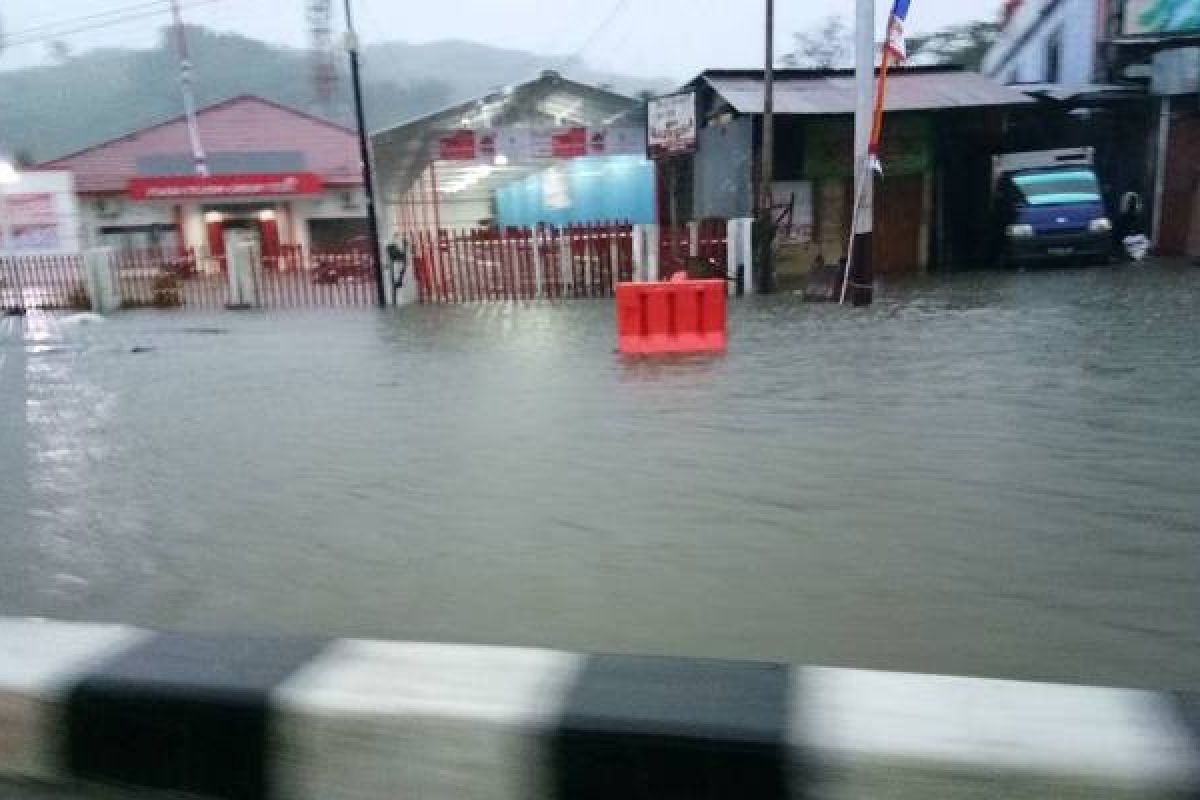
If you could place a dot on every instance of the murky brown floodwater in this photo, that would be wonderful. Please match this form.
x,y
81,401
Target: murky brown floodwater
x,y
991,474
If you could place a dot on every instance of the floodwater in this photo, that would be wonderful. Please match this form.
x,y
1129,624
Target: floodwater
x,y
990,474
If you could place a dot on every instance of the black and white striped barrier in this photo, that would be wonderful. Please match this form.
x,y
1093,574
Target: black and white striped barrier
x,y
245,718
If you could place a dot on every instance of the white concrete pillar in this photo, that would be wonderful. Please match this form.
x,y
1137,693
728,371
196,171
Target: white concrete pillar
x,y
614,253
742,255
652,248
100,281
301,210
539,266
693,238
565,271
243,276
639,253
733,253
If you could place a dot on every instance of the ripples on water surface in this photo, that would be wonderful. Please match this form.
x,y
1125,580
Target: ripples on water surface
x,y
993,474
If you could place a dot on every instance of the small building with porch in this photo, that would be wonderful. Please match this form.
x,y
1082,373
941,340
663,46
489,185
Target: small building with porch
x,y
532,190
550,151
278,175
942,127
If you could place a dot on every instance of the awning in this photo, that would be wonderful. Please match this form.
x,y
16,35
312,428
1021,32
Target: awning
x,y
1086,92
834,94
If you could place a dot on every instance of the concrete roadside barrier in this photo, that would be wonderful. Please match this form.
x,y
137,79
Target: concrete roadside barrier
x,y
245,718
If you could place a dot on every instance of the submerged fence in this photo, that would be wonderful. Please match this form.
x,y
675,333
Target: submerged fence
x,y
443,266
496,265
169,278
521,263
50,282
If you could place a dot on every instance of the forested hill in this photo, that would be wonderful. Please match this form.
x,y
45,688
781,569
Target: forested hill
x,y
96,95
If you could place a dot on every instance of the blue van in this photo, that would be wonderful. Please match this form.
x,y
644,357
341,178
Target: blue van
x,y
1049,207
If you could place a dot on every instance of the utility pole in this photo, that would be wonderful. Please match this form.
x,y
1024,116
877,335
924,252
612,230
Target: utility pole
x,y
766,222
860,278
364,153
199,160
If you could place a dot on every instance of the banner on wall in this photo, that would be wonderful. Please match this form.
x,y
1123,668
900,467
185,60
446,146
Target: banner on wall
x,y
1160,18
33,220
41,212
533,144
457,146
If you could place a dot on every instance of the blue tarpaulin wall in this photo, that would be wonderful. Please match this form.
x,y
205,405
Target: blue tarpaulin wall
x,y
594,189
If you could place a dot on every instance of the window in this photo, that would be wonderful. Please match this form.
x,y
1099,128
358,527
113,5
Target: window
x,y
1054,57
137,237
1056,187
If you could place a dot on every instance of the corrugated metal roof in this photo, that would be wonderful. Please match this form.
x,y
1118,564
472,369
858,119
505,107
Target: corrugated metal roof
x,y
834,94
403,151
244,124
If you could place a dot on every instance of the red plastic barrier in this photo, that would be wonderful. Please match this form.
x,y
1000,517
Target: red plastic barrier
x,y
676,316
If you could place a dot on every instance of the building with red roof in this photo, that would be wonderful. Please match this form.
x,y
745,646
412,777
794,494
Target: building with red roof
x,y
275,173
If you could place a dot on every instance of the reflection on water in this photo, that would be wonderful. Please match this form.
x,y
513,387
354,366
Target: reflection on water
x,y
992,475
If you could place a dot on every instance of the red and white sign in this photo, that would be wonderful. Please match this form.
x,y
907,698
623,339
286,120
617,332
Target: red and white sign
x,y
182,187
457,146
33,219
671,125
569,142
527,144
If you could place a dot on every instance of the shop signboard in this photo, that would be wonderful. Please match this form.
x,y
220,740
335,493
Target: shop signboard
x,y
32,220
671,125
41,214
558,142
1159,18
182,187
460,145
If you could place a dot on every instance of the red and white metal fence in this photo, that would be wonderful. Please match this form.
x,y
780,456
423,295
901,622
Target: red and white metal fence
x,y
169,278
291,279
682,247
489,265
324,279
446,266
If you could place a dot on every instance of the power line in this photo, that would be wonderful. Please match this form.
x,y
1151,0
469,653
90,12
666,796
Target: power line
x,y
617,8
121,20
41,27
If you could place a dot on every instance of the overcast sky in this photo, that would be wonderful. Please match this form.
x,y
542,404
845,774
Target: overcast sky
x,y
668,38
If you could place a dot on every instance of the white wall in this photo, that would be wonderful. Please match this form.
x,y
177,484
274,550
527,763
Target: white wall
x,y
1020,54
112,210
64,222
452,210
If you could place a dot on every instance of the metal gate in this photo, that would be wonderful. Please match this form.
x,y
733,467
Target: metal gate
x,y
287,278
491,265
50,282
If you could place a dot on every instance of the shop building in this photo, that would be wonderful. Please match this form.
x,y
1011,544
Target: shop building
x,y
548,152
942,126
1124,77
277,175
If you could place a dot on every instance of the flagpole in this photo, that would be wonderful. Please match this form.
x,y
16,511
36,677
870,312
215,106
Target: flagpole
x,y
880,94
859,280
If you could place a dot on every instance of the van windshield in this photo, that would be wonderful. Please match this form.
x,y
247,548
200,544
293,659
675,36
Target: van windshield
x,y
1056,187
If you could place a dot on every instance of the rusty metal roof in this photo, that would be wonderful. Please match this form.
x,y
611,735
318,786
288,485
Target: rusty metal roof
x,y
832,92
